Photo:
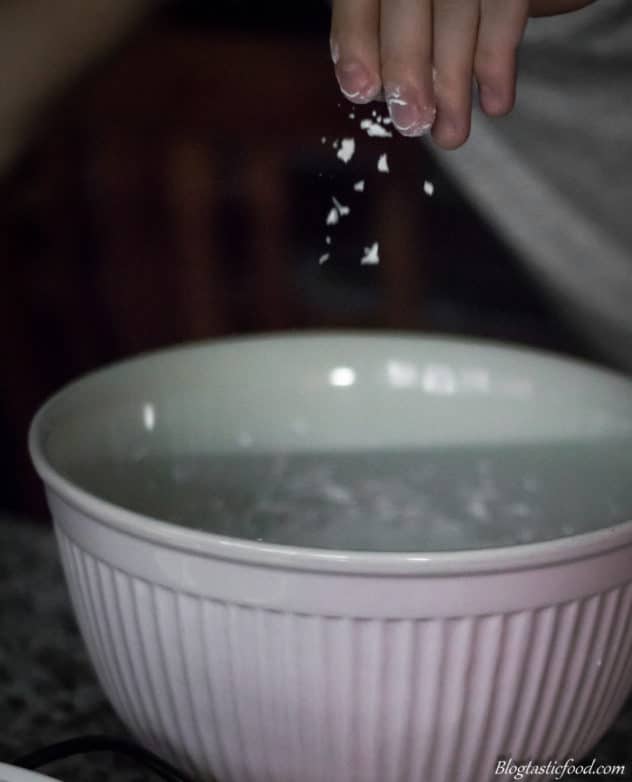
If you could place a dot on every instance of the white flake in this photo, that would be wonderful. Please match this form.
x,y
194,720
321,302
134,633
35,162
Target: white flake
x,y
428,188
342,210
382,164
332,217
323,258
347,149
371,254
359,186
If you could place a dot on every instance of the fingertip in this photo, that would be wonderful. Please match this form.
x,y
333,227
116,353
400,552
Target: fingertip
x,y
354,46
411,111
450,133
495,102
357,82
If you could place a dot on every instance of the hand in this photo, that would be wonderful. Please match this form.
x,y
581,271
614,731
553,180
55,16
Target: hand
x,y
424,54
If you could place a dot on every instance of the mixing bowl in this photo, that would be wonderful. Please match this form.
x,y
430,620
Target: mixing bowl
x,y
254,661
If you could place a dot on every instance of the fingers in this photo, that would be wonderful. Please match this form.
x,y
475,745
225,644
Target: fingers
x,y
406,59
390,47
355,48
501,30
455,29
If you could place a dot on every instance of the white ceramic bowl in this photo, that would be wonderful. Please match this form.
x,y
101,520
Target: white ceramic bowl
x,y
267,663
15,774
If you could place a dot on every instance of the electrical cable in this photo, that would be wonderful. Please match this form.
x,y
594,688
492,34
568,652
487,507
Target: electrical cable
x,y
87,744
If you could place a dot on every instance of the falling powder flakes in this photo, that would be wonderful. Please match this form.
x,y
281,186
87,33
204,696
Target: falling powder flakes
x,y
371,254
323,140
375,129
347,149
342,210
428,188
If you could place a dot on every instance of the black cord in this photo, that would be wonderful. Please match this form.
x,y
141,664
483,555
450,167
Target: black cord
x,y
84,744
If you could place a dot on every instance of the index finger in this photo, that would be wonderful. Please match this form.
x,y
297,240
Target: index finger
x,y
355,48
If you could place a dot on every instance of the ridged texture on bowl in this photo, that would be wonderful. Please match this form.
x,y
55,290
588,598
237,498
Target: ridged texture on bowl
x,y
255,695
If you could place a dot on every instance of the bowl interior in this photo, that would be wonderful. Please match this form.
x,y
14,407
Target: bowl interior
x,y
354,442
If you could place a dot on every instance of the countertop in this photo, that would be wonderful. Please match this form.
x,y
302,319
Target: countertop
x,y
48,691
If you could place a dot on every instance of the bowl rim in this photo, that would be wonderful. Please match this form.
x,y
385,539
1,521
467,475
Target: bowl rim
x,y
211,545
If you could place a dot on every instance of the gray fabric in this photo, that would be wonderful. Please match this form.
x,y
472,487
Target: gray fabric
x,y
555,177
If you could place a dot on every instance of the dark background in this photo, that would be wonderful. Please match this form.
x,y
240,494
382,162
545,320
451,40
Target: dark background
x,y
179,192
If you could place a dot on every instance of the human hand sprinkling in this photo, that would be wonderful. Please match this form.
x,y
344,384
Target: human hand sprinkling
x,y
423,55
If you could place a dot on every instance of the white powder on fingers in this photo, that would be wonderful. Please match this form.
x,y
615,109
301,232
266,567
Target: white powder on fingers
x,y
394,98
349,95
334,50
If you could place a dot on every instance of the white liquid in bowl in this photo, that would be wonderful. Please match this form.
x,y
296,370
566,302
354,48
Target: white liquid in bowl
x,y
440,499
